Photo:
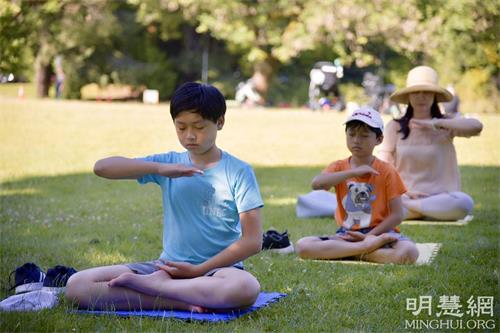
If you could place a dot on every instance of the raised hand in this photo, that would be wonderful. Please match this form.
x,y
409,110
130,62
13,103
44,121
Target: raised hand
x,y
422,123
178,170
363,170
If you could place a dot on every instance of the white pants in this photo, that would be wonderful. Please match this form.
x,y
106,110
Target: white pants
x,y
316,204
448,206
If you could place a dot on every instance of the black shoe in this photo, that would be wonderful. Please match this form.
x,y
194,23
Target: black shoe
x,y
28,277
57,277
277,242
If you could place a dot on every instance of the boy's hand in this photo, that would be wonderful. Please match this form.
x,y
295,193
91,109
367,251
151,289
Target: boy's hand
x,y
416,195
181,270
363,170
353,236
178,170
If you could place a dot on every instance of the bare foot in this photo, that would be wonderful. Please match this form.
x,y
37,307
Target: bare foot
x,y
122,280
197,309
143,284
375,242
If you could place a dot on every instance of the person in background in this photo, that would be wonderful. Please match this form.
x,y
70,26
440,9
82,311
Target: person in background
x,y
59,72
369,207
420,147
451,108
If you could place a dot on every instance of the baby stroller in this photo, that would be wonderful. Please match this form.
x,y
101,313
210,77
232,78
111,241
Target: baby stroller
x,y
324,86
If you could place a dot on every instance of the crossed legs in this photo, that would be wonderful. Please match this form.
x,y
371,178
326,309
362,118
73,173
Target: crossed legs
x,y
443,206
117,287
370,249
228,288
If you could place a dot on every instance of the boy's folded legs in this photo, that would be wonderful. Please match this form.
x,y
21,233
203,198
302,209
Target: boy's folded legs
x,y
227,288
336,248
90,290
400,252
389,247
119,287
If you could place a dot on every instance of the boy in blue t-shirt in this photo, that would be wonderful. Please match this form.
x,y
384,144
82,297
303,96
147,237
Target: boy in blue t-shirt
x,y
211,222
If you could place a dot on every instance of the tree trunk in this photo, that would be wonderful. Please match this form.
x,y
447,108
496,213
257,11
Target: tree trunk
x,y
43,66
43,74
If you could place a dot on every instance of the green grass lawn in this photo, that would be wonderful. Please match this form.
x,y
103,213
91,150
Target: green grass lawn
x,y
53,210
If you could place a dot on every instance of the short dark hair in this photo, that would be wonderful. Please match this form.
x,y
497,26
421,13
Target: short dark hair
x,y
357,124
204,99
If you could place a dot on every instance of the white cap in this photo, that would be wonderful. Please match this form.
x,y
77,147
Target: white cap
x,y
367,115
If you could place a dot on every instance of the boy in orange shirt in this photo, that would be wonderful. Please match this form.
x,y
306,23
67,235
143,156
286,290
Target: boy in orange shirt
x,y
369,206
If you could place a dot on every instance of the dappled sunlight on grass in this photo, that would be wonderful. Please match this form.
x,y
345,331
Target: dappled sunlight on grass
x,y
280,201
18,191
47,137
104,257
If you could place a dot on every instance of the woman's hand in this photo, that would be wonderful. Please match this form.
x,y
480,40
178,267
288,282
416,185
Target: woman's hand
x,y
423,123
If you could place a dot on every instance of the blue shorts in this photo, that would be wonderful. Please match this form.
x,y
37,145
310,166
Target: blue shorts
x,y
343,231
149,267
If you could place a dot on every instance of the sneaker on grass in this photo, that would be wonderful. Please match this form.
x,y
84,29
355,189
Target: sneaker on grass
x,y
28,277
277,242
57,277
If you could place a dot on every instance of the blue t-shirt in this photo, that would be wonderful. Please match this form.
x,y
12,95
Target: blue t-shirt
x,y
201,213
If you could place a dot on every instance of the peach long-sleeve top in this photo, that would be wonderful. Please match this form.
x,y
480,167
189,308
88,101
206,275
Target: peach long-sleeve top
x,y
426,160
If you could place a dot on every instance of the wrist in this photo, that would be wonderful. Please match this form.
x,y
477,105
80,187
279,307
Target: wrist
x,y
202,268
155,168
352,173
161,169
436,124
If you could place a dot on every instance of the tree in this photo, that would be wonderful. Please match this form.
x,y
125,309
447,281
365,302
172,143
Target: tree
x,y
250,29
54,27
14,32
268,33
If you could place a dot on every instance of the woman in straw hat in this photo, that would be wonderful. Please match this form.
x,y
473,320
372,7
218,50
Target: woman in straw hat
x,y
420,146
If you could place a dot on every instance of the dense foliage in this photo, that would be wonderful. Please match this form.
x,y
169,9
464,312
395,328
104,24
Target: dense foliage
x,y
158,44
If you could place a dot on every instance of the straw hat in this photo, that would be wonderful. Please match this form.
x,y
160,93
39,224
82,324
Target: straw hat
x,y
422,78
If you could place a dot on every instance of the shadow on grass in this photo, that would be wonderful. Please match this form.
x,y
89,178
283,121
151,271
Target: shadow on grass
x,y
82,221
85,211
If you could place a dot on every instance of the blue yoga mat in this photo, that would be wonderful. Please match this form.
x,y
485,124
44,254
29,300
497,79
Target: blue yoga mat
x,y
263,300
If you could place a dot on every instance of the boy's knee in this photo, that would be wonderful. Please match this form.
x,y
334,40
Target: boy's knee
x,y
252,290
407,255
245,291
75,292
302,247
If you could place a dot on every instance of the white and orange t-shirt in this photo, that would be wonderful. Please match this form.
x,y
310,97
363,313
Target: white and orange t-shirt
x,y
363,202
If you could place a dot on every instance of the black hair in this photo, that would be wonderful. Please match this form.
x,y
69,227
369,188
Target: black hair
x,y
354,124
404,122
204,99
